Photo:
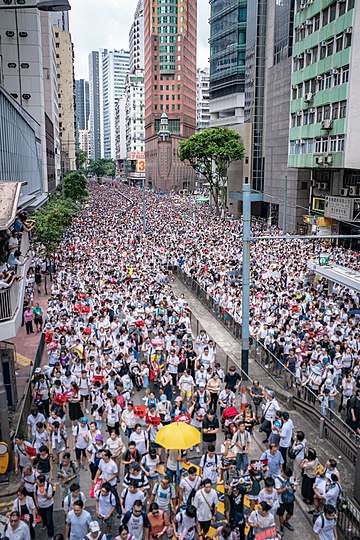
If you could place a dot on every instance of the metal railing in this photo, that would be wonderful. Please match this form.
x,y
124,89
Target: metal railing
x,y
9,301
331,426
20,425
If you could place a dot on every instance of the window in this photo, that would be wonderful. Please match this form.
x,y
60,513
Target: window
x,y
333,144
332,15
310,146
319,114
351,4
342,109
342,8
317,145
315,54
325,16
347,40
328,78
312,116
335,111
327,112
316,22
322,51
330,47
339,43
298,119
294,93
345,74
305,118
320,84
341,143
337,79
324,145
292,147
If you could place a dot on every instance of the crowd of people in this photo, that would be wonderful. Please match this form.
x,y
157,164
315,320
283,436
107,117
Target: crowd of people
x,y
122,362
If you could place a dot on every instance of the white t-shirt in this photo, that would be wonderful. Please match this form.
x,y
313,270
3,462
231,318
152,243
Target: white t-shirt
x,y
203,502
186,382
187,526
108,470
209,466
79,524
130,498
140,439
325,528
105,503
150,464
80,433
286,434
188,485
43,501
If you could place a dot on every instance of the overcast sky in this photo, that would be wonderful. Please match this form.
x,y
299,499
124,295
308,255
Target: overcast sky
x,y
105,24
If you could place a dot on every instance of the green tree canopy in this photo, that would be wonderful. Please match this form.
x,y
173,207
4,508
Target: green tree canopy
x,y
102,167
75,186
52,221
83,157
211,153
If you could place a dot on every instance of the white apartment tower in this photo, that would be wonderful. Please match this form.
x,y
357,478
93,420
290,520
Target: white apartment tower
x,y
135,105
115,68
136,39
202,99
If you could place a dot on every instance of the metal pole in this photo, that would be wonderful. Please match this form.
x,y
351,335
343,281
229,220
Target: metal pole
x,y
285,205
246,190
4,411
144,205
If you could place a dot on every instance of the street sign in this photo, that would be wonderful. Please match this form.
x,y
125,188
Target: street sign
x,y
324,259
340,208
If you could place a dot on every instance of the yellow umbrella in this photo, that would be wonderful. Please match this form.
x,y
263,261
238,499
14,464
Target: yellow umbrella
x,y
178,436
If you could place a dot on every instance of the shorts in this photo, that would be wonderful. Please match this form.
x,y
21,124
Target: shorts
x,y
285,507
79,452
205,526
84,398
185,394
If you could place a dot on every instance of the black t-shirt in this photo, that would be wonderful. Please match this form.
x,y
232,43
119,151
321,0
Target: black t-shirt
x,y
231,380
237,502
210,424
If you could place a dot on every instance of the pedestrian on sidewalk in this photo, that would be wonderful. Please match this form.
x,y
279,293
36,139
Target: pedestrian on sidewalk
x,y
28,318
38,317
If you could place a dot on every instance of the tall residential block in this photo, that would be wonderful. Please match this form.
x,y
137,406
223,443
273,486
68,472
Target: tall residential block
x,y
170,39
115,67
136,39
82,100
95,96
66,89
202,98
325,109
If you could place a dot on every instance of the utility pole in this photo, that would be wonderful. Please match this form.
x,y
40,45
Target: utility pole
x,y
144,206
285,204
246,192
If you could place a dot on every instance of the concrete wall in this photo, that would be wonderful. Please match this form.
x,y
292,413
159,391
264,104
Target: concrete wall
x,y
352,156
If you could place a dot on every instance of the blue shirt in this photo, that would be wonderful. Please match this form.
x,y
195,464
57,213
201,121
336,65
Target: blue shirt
x,y
274,462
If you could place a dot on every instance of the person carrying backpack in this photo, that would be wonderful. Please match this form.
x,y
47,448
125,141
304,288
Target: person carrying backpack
x,y
325,524
286,488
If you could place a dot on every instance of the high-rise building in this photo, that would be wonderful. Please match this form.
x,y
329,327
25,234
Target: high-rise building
x,y
66,89
82,100
53,147
170,39
115,67
22,71
202,98
60,19
95,96
84,141
281,183
135,105
120,131
325,110
136,39
227,81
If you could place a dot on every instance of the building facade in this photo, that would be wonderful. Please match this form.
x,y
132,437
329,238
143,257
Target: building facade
x,y
120,131
82,100
22,73
115,67
84,140
136,39
95,96
170,39
325,111
66,90
202,99
227,82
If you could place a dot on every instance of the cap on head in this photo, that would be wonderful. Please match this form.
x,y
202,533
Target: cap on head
x,y
94,526
84,420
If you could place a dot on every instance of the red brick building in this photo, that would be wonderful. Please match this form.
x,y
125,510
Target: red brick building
x,y
170,37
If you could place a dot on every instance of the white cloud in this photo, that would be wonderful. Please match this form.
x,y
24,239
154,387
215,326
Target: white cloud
x,y
105,24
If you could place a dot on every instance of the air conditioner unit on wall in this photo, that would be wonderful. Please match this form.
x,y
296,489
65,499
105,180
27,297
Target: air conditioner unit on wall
x,y
344,192
313,183
329,159
318,185
323,185
319,160
308,97
354,190
327,124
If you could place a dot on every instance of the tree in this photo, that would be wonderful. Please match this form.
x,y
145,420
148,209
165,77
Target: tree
x,y
83,157
102,167
75,186
51,222
211,153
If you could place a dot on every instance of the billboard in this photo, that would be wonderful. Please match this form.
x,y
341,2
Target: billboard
x,y
340,208
140,166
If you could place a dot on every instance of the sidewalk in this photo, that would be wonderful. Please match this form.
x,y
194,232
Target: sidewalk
x,y
230,347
